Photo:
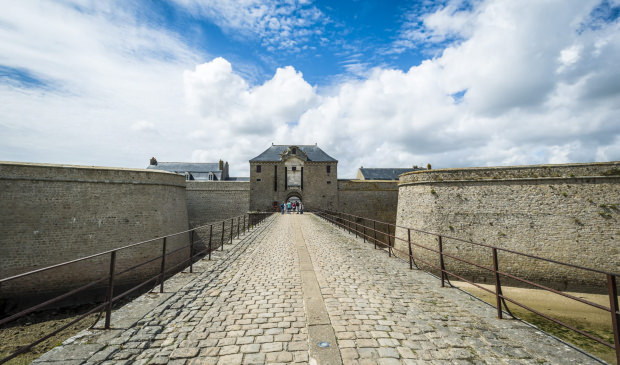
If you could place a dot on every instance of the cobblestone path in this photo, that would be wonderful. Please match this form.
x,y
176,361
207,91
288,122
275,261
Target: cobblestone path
x,y
297,281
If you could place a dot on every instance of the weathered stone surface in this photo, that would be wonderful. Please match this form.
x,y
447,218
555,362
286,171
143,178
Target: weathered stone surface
x,y
56,213
564,212
383,312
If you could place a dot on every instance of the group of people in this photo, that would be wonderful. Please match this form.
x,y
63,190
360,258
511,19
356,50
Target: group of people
x,y
294,206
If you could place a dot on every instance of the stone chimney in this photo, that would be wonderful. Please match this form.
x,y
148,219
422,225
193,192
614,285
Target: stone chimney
x,y
153,161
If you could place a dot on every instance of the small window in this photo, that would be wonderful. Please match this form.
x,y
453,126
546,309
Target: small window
x,y
329,169
294,168
294,151
257,168
258,180
329,182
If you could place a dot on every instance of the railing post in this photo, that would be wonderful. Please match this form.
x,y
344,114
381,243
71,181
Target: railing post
x,y
223,229
410,252
356,227
364,225
110,291
615,317
191,251
374,229
238,221
244,224
162,272
210,236
441,263
498,286
348,223
232,222
389,242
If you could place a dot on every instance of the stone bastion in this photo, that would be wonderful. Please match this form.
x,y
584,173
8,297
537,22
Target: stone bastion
x,y
567,213
55,213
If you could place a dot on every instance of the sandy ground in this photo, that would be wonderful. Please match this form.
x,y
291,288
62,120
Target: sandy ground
x,y
35,326
584,317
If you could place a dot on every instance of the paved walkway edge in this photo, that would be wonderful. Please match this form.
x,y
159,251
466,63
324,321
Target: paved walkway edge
x,y
320,329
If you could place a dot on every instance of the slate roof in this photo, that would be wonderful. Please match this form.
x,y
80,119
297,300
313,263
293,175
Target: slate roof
x,y
313,152
183,167
384,173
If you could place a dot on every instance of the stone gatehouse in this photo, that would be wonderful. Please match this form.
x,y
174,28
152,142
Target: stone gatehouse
x,y
283,172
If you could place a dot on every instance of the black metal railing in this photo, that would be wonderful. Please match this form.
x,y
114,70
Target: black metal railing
x,y
214,237
383,234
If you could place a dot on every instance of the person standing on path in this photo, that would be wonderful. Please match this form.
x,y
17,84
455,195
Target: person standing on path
x,y
282,208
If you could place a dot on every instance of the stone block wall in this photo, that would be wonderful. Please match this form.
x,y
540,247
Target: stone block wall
x,y
54,213
212,201
568,213
370,199
262,192
320,187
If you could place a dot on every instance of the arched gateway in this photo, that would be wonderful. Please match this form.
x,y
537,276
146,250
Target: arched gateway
x,y
294,197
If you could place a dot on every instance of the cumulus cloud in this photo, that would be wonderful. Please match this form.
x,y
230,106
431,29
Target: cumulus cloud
x,y
87,76
224,100
511,85
532,89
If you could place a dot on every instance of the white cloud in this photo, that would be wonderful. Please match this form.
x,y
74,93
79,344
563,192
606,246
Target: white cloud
x,y
108,76
143,126
283,25
532,88
517,107
225,101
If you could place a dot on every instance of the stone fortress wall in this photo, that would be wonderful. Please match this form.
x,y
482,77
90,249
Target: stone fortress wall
x,y
213,201
55,213
569,213
372,199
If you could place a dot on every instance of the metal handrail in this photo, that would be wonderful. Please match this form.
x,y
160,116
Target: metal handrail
x,y
346,221
253,219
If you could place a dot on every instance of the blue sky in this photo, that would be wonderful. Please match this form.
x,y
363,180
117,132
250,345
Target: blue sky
x,y
374,83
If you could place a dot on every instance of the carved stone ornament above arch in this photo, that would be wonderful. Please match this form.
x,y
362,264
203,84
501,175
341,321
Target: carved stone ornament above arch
x,y
293,151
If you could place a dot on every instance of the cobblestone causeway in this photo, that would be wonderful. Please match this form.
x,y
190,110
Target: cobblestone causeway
x,y
246,306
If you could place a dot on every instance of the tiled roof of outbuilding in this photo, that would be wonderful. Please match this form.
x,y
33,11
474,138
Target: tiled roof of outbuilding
x,y
183,167
384,173
313,152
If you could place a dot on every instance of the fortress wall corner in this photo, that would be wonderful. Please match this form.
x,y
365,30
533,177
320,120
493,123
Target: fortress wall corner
x,y
568,213
55,213
369,198
212,201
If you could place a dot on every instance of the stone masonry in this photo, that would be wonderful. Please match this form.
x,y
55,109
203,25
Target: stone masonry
x,y
294,282
56,213
569,213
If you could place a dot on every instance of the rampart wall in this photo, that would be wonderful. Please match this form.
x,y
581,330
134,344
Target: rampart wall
x,y
214,201
568,213
368,198
55,213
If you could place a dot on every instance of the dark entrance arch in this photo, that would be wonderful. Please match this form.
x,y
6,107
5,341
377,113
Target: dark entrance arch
x,y
293,196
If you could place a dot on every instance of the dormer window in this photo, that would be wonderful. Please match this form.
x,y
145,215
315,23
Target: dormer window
x,y
294,151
